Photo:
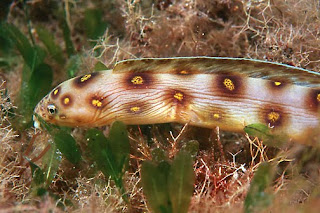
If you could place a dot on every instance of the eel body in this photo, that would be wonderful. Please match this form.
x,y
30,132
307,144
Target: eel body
x,y
202,91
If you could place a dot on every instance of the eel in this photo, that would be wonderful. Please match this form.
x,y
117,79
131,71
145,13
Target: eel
x,y
202,91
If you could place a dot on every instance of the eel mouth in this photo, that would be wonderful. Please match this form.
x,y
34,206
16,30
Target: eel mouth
x,y
40,111
36,122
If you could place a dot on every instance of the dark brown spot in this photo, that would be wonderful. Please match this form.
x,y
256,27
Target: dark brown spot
x,y
55,93
84,80
96,101
213,114
178,97
230,85
138,80
184,71
62,117
135,108
273,116
66,100
179,102
138,108
313,100
276,84
216,116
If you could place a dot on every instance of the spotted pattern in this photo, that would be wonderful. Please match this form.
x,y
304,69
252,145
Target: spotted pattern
x,y
135,109
66,100
274,116
179,99
225,93
277,83
216,116
184,71
178,96
96,101
55,93
84,80
62,117
230,85
85,77
138,81
313,100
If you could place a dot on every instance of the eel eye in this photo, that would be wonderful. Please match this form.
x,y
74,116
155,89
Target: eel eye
x,y
52,109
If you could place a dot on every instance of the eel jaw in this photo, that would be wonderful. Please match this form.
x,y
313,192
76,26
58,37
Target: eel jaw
x,y
36,122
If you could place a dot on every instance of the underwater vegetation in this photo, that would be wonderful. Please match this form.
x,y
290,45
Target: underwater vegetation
x,y
158,168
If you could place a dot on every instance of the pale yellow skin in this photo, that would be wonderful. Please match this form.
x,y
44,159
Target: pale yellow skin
x,y
208,92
